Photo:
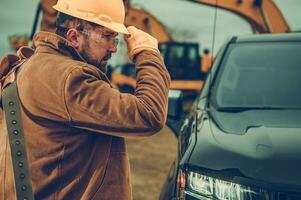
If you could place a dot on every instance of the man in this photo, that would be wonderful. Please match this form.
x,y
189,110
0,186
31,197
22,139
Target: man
x,y
74,121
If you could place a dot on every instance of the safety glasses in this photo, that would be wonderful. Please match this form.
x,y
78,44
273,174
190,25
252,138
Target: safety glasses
x,y
109,39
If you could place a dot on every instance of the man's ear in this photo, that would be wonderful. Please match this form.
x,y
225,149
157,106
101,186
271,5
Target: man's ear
x,y
73,37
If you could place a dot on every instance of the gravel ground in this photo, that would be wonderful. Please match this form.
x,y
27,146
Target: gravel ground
x,y
150,159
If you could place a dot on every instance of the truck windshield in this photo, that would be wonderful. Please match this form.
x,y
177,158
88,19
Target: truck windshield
x,y
260,75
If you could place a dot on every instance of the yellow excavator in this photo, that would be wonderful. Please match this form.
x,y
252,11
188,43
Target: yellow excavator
x,y
182,59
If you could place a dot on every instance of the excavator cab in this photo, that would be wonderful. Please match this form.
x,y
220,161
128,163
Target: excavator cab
x,y
182,60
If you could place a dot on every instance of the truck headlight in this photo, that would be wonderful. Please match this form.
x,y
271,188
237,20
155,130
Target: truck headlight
x,y
202,187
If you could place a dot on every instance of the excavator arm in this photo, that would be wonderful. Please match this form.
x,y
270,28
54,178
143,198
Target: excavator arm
x,y
148,23
263,15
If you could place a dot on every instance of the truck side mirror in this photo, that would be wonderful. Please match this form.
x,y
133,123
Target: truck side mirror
x,y
175,110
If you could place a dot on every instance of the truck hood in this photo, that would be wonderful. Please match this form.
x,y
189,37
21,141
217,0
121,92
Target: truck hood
x,y
269,155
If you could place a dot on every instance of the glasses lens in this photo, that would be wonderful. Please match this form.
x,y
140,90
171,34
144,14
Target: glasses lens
x,y
101,38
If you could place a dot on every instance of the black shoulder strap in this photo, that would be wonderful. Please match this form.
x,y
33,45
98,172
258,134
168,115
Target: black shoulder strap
x,y
11,106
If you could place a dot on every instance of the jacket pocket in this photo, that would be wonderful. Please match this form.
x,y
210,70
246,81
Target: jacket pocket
x,y
116,184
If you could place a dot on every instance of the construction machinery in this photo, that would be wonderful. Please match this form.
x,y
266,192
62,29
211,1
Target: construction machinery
x,y
182,59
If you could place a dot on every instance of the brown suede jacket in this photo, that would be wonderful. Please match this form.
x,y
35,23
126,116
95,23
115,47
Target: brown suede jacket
x,y
75,122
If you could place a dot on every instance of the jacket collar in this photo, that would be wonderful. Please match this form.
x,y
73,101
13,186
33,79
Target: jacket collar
x,y
42,40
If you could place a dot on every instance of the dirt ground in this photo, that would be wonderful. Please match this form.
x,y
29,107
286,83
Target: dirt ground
x,y
150,160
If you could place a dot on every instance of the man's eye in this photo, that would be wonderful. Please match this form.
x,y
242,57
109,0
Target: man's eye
x,y
108,36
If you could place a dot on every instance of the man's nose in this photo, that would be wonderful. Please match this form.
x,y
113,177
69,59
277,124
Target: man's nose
x,y
113,48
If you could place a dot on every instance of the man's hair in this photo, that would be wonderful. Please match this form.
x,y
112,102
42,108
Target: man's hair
x,y
64,22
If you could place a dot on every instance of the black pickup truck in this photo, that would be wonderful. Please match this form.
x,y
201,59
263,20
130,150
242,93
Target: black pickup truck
x,y
242,138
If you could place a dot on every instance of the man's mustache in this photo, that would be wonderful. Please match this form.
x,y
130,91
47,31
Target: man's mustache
x,y
107,57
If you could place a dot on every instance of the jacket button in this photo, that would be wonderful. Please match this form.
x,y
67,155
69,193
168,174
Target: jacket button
x,y
23,187
18,142
22,176
10,103
12,112
14,122
16,132
19,153
20,164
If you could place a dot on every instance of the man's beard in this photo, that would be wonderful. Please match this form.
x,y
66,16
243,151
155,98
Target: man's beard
x,y
100,63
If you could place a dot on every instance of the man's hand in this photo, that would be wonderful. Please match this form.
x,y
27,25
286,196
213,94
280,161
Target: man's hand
x,y
139,41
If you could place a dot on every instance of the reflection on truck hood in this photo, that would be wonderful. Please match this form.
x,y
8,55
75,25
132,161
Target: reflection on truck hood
x,y
239,121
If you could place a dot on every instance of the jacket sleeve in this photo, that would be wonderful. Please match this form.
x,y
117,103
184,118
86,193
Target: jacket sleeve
x,y
94,105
